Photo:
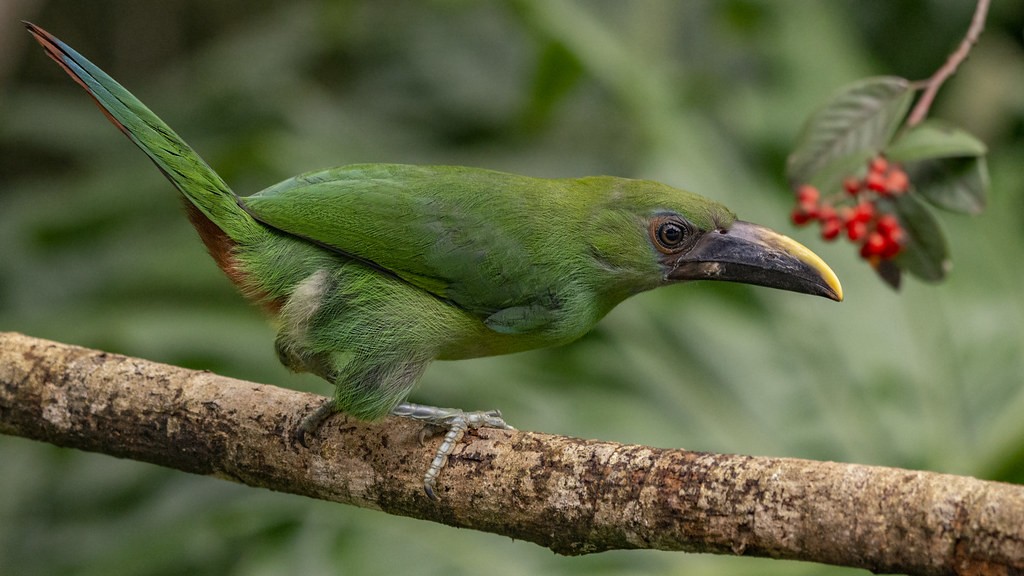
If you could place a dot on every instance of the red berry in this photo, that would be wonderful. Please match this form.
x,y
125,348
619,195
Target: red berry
x,y
810,208
897,182
830,228
800,217
891,249
855,230
827,212
852,185
876,182
878,165
898,236
864,212
807,194
873,246
887,224
893,242
845,215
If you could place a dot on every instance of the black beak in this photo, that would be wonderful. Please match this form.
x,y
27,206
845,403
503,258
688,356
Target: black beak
x,y
753,254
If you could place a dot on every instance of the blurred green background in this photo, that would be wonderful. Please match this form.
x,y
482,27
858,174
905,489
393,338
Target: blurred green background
x,y
704,95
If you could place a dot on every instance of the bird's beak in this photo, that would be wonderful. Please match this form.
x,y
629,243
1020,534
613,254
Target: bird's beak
x,y
753,254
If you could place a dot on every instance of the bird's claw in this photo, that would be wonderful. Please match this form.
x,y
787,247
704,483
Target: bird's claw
x,y
312,422
429,431
450,421
453,423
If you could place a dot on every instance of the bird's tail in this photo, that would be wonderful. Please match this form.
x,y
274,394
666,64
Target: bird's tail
x,y
205,191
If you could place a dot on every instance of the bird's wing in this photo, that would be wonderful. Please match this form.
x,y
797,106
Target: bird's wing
x,y
462,234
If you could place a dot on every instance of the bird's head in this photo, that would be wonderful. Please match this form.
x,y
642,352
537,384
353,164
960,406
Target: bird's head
x,y
651,231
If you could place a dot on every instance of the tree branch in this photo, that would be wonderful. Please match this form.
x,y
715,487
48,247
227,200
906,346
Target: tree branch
x,y
573,496
932,85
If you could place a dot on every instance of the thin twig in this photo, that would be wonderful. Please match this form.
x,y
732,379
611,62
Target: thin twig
x,y
933,84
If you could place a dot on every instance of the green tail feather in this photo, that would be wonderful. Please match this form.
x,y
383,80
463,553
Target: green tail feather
x,y
189,173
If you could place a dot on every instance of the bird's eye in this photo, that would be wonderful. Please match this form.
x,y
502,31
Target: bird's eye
x,y
670,234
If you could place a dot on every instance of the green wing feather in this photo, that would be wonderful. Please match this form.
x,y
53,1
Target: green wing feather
x,y
476,238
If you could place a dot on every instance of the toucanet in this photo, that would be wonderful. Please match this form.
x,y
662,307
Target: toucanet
x,y
372,271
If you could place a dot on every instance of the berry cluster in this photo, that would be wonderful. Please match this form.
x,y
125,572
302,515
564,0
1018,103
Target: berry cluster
x,y
855,213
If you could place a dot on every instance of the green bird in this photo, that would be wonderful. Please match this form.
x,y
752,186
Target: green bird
x,y
372,271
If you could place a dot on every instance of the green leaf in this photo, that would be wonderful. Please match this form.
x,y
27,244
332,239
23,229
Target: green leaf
x,y
946,165
852,127
926,253
955,184
934,139
890,273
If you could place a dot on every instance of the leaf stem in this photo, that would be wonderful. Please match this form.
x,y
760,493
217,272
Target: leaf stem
x,y
933,84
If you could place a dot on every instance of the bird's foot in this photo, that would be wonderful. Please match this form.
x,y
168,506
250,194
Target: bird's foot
x,y
313,421
454,423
